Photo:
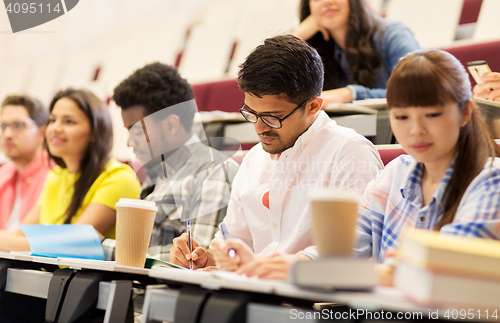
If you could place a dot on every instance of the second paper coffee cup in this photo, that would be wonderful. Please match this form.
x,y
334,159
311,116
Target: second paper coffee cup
x,y
334,216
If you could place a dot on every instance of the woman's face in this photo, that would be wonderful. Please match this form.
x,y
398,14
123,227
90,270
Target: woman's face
x,y
330,14
68,132
429,134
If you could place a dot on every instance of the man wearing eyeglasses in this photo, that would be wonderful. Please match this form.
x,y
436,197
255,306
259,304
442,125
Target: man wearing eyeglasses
x,y
300,150
22,130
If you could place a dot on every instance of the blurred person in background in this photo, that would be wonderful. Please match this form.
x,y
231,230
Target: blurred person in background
x,y
86,183
359,49
22,121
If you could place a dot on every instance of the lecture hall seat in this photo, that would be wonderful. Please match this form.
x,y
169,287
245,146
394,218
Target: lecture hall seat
x,y
389,152
470,11
223,95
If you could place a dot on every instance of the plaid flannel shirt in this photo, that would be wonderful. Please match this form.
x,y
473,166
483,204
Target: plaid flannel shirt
x,y
393,201
193,183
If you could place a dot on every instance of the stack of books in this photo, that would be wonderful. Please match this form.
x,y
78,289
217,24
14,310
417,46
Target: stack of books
x,y
446,270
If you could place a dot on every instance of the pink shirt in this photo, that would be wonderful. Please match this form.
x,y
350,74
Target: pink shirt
x,y
31,181
325,156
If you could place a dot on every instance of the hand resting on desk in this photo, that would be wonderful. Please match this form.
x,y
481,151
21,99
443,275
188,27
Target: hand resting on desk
x,y
275,266
245,261
243,254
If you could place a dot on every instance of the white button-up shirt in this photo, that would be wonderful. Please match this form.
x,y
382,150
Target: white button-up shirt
x,y
325,156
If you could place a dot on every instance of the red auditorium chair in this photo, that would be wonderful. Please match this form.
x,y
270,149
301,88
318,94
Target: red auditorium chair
x,y
222,95
470,11
389,152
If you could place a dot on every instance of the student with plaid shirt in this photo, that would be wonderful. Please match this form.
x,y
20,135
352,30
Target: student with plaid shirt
x,y
450,181
186,178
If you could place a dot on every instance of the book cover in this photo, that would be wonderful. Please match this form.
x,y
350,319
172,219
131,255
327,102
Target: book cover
x,y
330,273
64,240
451,254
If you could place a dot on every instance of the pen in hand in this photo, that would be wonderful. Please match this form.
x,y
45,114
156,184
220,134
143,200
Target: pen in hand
x,y
225,234
190,244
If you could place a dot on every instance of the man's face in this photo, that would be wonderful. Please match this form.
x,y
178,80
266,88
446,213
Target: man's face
x,y
275,141
20,137
148,137
138,139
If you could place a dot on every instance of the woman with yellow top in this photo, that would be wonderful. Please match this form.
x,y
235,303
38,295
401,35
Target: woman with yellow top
x,y
86,183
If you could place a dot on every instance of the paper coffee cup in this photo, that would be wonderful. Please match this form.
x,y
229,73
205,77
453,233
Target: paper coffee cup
x,y
134,224
334,216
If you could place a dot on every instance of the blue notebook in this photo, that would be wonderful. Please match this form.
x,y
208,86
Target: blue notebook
x,y
64,240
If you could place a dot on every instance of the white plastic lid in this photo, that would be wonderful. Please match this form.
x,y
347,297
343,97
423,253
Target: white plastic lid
x,y
138,204
334,195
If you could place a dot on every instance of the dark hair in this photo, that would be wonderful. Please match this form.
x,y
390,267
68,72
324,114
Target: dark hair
x,y
36,110
364,63
97,155
284,66
435,78
157,86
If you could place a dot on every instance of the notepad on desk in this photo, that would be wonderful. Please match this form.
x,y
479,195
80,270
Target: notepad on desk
x,y
219,116
372,103
156,263
489,109
348,109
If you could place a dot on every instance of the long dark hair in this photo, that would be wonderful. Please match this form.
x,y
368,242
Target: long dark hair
x,y
364,63
97,154
432,78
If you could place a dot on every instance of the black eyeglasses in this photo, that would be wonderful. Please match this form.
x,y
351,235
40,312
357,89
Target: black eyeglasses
x,y
271,121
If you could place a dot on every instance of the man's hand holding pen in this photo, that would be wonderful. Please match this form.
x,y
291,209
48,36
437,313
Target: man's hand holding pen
x,y
181,255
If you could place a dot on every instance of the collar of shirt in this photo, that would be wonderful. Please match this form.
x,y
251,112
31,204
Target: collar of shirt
x,y
412,189
304,139
34,166
9,170
174,161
